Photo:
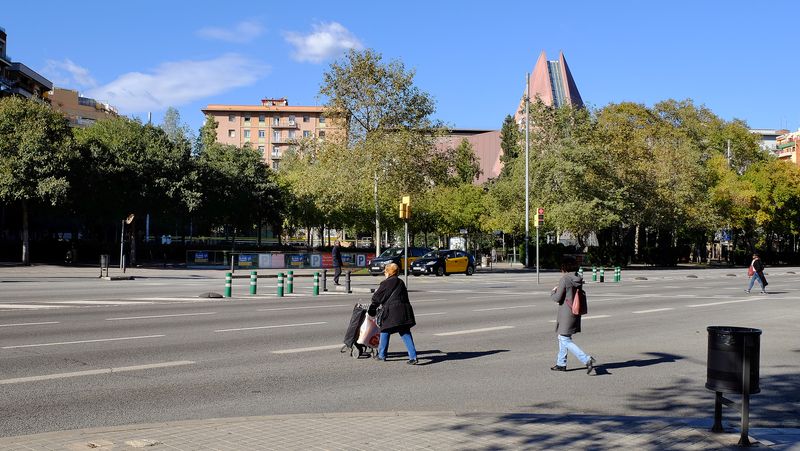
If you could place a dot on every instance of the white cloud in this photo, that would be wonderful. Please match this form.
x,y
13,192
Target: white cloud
x,y
327,40
177,83
68,74
243,32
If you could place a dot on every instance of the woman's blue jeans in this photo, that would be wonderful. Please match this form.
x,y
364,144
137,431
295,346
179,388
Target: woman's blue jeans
x,y
565,343
753,281
405,334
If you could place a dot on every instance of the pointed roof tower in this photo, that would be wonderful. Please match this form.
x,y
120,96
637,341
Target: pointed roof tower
x,y
552,82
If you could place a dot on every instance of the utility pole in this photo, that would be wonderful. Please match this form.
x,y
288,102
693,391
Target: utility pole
x,y
527,183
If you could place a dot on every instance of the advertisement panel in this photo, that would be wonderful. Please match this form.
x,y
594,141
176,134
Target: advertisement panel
x,y
327,260
361,260
298,260
316,260
277,261
246,260
264,260
201,257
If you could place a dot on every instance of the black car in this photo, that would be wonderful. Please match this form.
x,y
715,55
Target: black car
x,y
444,263
395,255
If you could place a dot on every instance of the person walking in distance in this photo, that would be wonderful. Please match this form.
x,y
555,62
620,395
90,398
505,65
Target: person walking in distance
x,y
395,315
756,272
567,323
336,253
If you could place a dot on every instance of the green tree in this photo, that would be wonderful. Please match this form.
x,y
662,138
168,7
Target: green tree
x,y
510,143
35,152
467,166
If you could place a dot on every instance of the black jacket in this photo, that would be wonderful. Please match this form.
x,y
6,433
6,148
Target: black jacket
x,y
397,312
336,253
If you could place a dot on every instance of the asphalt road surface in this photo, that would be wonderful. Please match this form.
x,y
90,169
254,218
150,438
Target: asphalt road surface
x,y
76,352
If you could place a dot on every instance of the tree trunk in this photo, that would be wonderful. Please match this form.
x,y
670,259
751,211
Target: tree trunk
x,y
26,252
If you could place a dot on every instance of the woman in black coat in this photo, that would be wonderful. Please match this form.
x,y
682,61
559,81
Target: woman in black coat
x,y
396,314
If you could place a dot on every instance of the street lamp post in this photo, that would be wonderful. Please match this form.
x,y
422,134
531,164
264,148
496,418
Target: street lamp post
x,y
527,182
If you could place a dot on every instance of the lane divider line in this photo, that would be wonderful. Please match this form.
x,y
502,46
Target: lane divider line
x,y
587,317
314,348
472,331
82,341
654,310
270,327
160,316
302,308
430,314
95,372
729,302
28,324
503,308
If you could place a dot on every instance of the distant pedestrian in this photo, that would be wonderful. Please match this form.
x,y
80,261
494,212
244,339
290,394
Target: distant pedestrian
x,y
336,253
756,272
567,323
494,255
395,315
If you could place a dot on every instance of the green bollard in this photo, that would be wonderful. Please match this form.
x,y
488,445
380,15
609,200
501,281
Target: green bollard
x,y
594,273
228,288
253,282
280,284
602,275
316,284
580,271
290,283
617,274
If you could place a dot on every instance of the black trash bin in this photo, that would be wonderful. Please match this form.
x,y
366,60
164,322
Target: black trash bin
x,y
729,349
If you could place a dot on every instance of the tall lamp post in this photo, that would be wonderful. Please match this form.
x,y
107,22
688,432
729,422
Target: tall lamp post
x,y
527,178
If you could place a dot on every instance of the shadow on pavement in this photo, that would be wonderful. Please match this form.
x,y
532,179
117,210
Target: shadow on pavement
x,y
660,357
433,356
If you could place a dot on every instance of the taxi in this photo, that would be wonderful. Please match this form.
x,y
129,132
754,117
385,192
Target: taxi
x,y
444,262
395,255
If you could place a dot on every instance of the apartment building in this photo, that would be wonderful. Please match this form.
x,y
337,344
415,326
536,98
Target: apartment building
x,y
786,148
272,127
17,79
81,111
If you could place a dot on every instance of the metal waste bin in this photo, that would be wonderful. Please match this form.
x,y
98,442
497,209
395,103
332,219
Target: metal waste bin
x,y
730,350
104,262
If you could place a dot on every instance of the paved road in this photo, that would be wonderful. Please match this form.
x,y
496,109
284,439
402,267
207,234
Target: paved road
x,y
76,352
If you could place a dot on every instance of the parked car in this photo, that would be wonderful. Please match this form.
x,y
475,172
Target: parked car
x,y
395,254
444,263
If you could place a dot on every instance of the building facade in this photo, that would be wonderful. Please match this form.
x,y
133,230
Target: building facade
x,y
787,146
18,79
81,111
271,128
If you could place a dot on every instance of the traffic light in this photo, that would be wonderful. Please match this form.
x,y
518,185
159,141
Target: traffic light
x,y
405,208
539,217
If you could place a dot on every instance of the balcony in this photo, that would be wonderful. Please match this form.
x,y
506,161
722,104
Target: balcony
x,y
291,125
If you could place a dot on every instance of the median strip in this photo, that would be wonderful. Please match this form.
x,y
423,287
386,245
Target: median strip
x,y
95,372
82,341
270,327
473,331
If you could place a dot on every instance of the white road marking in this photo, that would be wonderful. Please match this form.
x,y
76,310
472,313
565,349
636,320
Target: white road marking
x,y
502,308
29,306
727,302
83,341
315,348
270,327
302,308
101,302
473,331
587,317
95,372
430,314
160,316
28,324
171,299
422,301
654,310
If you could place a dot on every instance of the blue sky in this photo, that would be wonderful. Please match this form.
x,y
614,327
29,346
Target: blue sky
x,y
738,58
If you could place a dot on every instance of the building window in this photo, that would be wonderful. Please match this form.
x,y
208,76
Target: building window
x,y
261,118
306,118
262,133
276,151
231,118
247,119
247,134
291,134
276,120
321,119
276,136
231,133
275,165
291,120
261,150
321,135
306,133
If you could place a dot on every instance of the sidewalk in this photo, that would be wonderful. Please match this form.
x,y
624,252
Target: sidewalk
x,y
411,430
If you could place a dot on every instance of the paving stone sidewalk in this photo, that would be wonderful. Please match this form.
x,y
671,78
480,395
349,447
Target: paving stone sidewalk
x,y
410,431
